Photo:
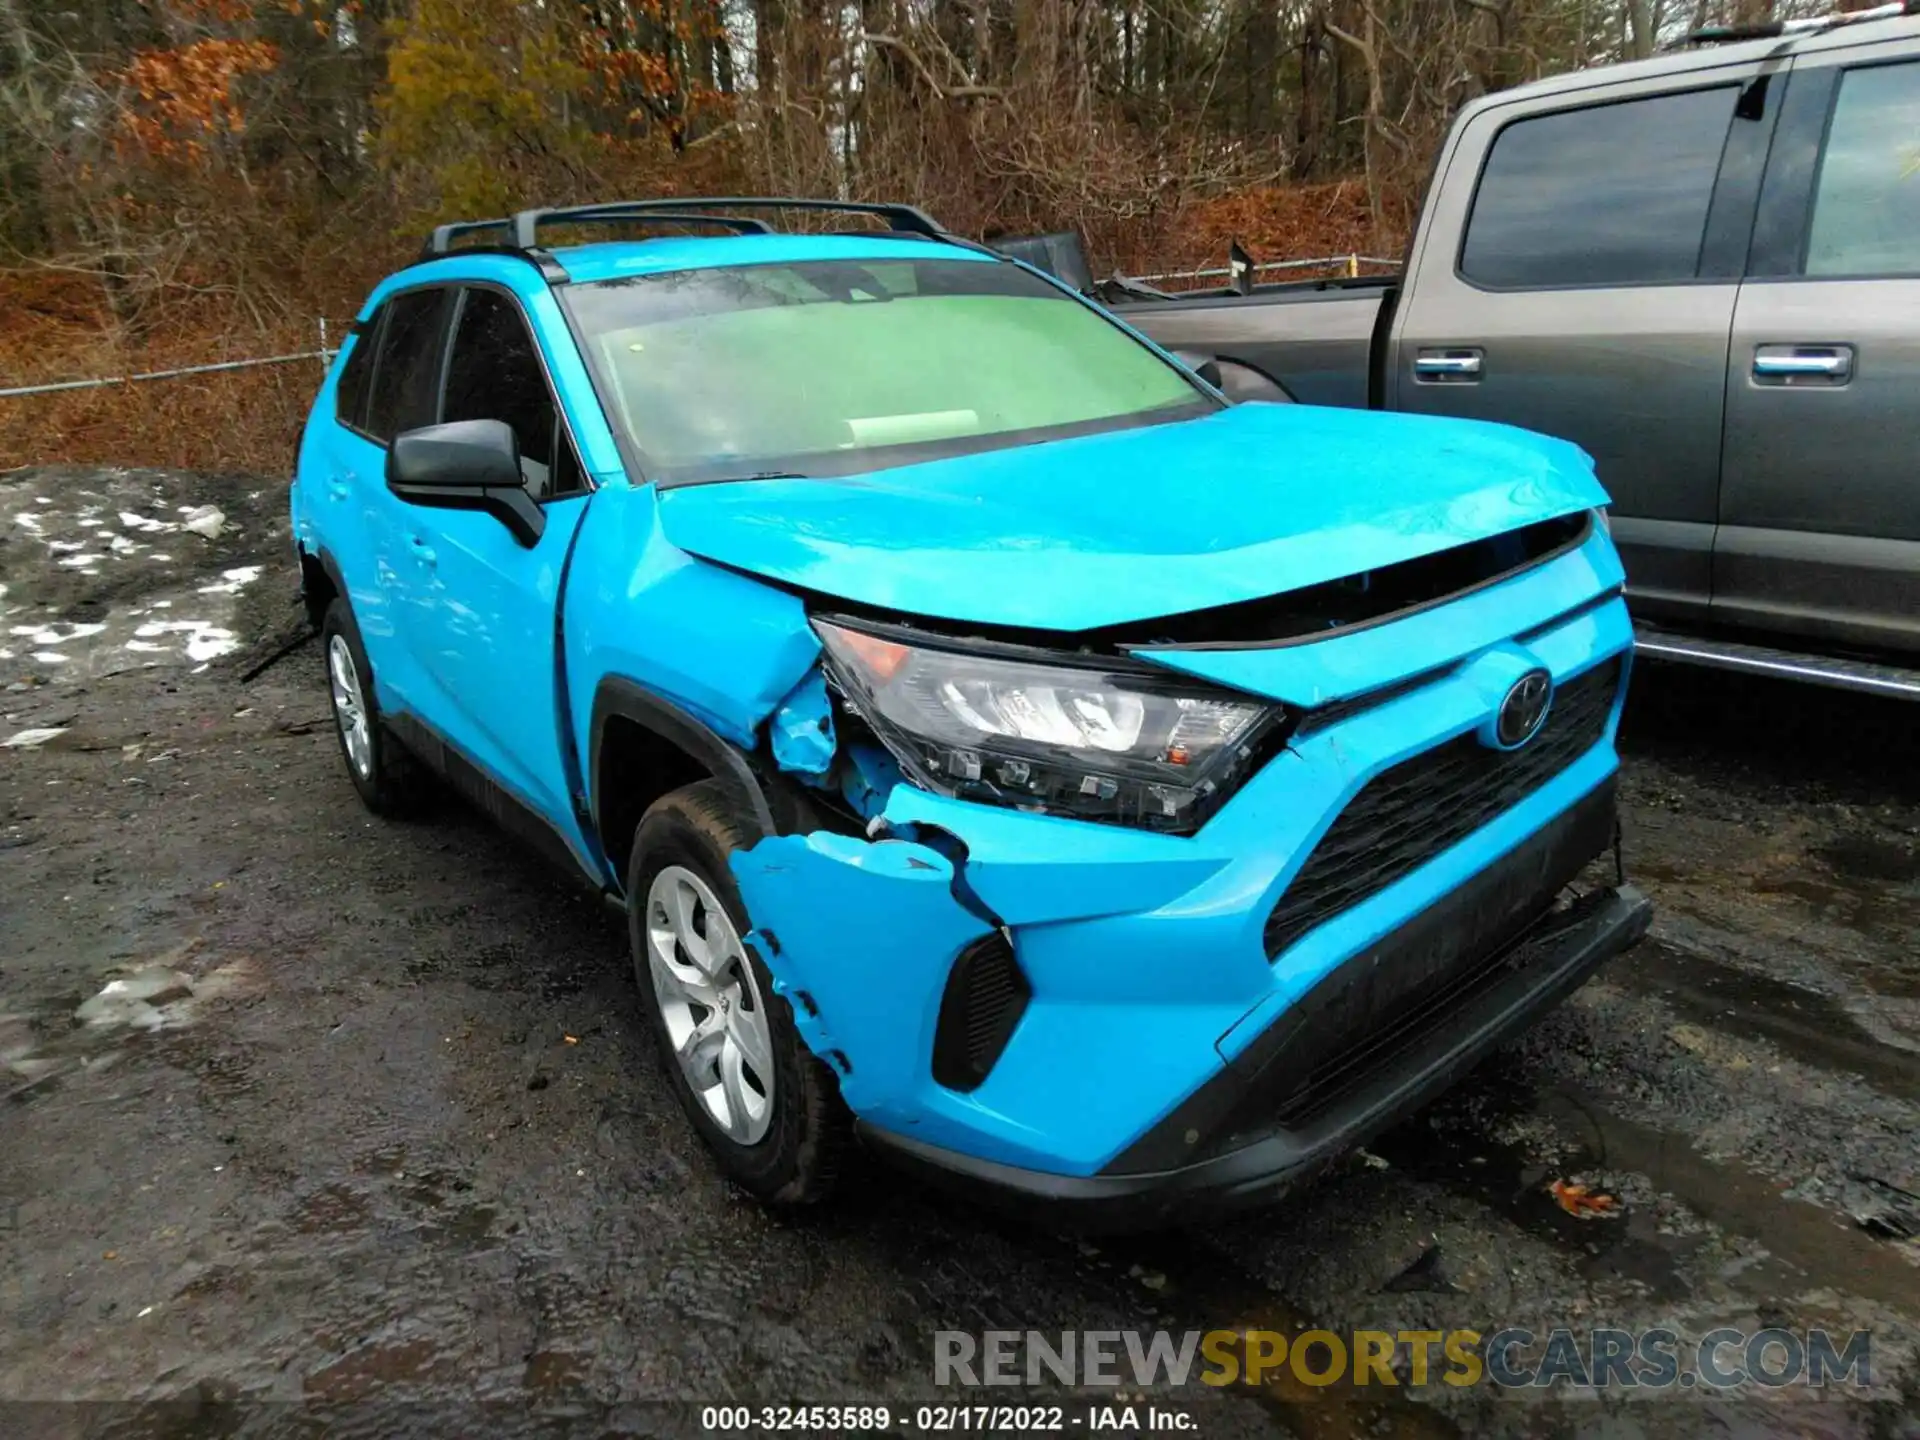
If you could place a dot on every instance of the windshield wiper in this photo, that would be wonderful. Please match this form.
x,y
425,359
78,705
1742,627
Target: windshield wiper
x,y
733,479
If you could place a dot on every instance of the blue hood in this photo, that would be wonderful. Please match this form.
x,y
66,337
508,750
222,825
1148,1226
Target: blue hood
x,y
1135,524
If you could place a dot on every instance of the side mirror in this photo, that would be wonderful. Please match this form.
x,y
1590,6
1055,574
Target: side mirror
x,y
467,465
1205,366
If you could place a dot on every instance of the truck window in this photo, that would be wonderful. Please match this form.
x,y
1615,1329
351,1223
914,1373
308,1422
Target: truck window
x,y
1605,195
494,374
404,379
1866,206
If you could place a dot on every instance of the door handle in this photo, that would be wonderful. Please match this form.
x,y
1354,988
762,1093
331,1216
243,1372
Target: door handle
x,y
1449,367
1788,364
422,551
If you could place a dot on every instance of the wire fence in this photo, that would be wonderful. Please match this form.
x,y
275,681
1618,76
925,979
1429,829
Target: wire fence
x,y
1349,264
324,354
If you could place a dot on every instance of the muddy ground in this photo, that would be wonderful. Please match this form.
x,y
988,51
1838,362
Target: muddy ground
x,y
371,1131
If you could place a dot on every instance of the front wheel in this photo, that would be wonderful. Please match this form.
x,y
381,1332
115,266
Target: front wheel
x,y
767,1109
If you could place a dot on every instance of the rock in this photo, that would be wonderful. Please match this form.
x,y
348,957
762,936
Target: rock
x,y
207,520
136,999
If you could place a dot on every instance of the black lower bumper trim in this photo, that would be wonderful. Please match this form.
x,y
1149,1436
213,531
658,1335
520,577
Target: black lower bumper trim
x,y
1549,962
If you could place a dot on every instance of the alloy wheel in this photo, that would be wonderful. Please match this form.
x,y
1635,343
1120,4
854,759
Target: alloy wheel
x,y
709,997
349,707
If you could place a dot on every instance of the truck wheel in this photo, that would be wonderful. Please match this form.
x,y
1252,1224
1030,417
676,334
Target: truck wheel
x,y
390,781
768,1110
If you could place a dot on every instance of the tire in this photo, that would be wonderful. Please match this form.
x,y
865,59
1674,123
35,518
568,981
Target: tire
x,y
390,781
779,1141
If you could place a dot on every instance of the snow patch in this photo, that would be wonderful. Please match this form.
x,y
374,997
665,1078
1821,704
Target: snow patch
x,y
231,582
29,739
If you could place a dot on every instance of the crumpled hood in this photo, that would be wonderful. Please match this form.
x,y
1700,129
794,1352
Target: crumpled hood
x,y
1134,524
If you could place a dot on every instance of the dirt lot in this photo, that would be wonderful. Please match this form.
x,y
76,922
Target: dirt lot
x,y
372,1125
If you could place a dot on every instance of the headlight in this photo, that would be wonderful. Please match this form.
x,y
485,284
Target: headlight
x,y
1085,742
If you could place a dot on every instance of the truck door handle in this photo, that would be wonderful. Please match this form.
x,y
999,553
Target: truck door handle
x,y
1803,364
422,551
1449,367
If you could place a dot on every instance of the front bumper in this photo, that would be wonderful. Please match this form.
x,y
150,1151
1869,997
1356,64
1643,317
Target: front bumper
x,y
1323,1110
1179,990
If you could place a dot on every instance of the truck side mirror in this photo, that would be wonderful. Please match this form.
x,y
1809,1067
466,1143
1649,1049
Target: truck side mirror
x,y
465,465
1205,366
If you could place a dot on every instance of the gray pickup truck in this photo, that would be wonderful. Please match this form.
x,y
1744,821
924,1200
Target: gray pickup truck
x,y
1704,269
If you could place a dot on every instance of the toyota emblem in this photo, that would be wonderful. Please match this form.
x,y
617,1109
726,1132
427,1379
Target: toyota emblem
x,y
1522,710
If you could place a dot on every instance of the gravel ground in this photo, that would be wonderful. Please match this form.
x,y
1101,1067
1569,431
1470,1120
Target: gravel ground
x,y
369,1129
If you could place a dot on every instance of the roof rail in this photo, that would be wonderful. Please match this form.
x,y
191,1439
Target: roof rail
x,y
904,218
518,235
1811,25
520,232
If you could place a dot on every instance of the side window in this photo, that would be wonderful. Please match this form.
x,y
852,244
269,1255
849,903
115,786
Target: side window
x,y
350,395
494,374
1609,195
1866,205
404,379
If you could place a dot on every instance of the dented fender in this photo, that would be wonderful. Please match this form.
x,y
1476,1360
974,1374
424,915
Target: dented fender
x,y
858,936
801,730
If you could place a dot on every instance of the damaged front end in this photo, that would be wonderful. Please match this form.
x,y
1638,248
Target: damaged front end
x,y
1052,907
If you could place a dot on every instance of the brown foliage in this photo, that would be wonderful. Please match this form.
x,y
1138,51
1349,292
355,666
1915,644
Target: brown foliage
x,y
187,181
58,329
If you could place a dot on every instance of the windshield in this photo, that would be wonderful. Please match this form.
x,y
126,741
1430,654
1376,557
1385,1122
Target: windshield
x,y
839,366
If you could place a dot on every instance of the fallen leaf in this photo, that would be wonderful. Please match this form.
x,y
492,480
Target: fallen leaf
x,y
571,1039
1583,1203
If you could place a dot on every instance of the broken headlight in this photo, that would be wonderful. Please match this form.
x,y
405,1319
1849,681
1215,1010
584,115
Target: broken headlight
x,y
1086,742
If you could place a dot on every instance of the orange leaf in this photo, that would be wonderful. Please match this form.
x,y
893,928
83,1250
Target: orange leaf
x,y
1583,1203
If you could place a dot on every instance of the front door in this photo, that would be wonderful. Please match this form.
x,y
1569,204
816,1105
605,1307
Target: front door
x,y
482,606
1820,499
1592,295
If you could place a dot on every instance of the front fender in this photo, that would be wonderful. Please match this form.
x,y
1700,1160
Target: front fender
x,y
716,646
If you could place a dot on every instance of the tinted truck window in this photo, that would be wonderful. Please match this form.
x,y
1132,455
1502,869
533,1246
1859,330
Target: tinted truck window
x,y
405,381
1866,209
1608,195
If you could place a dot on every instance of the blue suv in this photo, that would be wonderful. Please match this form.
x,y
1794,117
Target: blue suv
x,y
1004,749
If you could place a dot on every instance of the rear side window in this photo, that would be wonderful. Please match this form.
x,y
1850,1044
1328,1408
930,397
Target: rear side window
x,y
494,374
1609,195
406,378
1866,207
350,395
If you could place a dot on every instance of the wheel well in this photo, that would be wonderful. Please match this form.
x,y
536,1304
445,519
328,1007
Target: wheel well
x,y
637,766
317,590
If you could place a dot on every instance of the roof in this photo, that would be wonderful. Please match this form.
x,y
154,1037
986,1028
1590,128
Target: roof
x,y
1699,58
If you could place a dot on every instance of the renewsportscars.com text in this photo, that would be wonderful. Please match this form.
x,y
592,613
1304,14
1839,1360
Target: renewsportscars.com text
x,y
1512,1358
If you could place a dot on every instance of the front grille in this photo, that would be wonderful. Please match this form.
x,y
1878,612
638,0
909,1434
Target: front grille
x,y
1410,813
986,995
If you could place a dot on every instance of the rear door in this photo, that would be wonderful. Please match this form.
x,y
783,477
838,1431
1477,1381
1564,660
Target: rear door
x,y
1598,235
400,394
1820,496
